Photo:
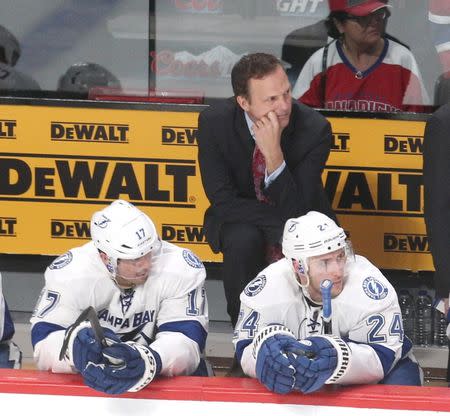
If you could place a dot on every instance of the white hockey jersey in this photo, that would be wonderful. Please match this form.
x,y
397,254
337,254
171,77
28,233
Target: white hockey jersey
x,y
6,323
366,315
169,311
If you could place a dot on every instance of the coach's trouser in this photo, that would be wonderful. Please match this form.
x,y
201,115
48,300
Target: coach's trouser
x,y
243,248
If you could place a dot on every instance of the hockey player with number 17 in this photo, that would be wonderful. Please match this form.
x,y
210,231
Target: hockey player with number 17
x,y
149,297
280,337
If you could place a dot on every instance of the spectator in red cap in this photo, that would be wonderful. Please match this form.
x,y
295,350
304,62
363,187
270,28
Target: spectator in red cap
x,y
363,68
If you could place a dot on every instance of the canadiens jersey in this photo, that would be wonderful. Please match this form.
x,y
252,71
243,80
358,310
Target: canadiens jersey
x,y
169,311
6,322
392,84
366,315
439,18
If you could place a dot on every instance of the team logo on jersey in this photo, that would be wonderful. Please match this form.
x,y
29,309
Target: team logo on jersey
x,y
374,288
255,286
192,259
61,261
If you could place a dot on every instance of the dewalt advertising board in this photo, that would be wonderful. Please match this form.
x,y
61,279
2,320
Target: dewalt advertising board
x,y
374,180
60,164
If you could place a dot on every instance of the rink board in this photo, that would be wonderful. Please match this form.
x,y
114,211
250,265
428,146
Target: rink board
x,y
24,391
60,164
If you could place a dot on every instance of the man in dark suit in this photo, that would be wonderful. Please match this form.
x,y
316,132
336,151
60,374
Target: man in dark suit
x,y
294,141
436,178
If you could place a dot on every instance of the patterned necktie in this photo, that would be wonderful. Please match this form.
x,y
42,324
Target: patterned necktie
x,y
273,252
259,171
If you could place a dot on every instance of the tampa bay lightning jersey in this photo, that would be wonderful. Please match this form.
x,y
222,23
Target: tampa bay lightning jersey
x,y
6,322
366,315
169,311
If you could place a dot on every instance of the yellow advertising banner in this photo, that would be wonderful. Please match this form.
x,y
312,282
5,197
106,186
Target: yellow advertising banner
x,y
60,164
374,179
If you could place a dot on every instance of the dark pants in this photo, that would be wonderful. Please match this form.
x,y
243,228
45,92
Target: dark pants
x,y
405,373
10,355
243,248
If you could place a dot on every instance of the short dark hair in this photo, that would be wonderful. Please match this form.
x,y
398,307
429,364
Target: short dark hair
x,y
254,65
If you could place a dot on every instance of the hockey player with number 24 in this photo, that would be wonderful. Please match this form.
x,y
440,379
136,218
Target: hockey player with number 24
x,y
149,298
280,338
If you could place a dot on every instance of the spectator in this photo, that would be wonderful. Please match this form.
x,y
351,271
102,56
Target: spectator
x,y
258,135
10,77
282,337
149,298
362,69
439,19
10,355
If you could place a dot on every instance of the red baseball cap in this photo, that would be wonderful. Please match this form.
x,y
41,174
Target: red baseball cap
x,y
356,7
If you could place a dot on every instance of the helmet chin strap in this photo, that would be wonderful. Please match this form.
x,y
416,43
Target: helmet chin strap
x,y
301,271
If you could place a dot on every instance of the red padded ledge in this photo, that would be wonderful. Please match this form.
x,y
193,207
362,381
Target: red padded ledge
x,y
227,389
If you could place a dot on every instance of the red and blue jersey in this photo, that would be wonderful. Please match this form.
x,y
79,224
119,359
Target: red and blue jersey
x,y
393,83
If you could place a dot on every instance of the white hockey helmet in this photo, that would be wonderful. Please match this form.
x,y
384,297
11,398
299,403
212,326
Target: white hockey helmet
x,y
9,47
311,235
122,231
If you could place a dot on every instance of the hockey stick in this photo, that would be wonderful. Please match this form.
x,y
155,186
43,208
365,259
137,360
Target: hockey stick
x,y
325,288
90,315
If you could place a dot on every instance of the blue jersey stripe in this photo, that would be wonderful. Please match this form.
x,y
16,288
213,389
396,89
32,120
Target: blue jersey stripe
x,y
385,355
8,325
192,329
240,346
42,330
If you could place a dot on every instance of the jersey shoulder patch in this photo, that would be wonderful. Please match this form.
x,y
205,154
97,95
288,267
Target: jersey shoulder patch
x,y
374,288
192,259
255,286
61,261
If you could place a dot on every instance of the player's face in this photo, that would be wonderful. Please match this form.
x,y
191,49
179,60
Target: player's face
x,y
271,93
133,272
327,266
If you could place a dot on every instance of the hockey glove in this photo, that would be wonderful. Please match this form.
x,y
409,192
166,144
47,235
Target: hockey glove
x,y
84,348
274,366
320,360
127,367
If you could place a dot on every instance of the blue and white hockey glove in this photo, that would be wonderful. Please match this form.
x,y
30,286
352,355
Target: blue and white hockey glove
x,y
320,360
127,367
274,366
83,346
109,365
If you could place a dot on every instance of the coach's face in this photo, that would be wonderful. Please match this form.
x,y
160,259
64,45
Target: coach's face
x,y
270,93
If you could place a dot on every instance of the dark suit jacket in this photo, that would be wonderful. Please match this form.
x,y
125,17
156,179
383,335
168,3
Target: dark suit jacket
x,y
225,151
436,178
